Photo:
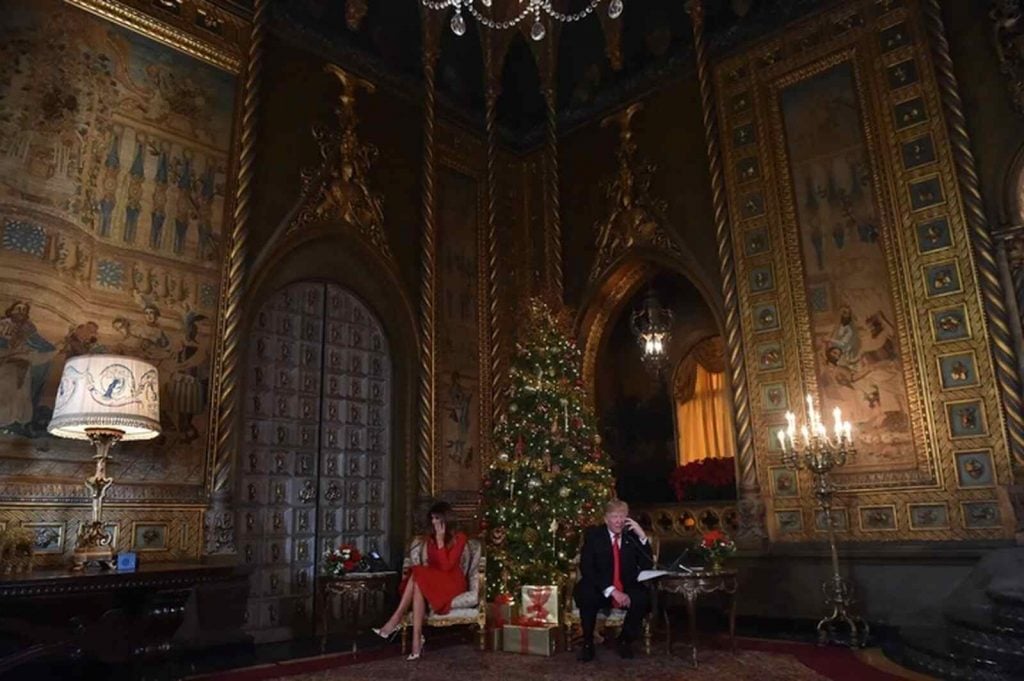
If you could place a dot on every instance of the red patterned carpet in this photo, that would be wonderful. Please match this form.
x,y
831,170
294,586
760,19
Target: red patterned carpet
x,y
757,660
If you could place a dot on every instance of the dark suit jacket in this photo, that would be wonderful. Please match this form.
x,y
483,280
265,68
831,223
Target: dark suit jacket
x,y
597,568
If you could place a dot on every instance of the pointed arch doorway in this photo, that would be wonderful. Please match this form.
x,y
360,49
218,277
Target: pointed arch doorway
x,y
316,463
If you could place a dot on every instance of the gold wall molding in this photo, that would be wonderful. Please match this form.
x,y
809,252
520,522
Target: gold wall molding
x,y
428,291
223,441
198,28
160,533
751,506
920,172
993,294
338,189
635,217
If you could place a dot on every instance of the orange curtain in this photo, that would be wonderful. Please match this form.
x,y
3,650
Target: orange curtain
x,y
702,423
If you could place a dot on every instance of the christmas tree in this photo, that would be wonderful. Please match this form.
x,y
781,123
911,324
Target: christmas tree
x,y
550,477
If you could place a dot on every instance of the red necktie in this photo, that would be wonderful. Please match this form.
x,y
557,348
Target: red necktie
x,y
616,572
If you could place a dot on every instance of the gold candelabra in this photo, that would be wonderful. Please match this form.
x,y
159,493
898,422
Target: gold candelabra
x,y
819,453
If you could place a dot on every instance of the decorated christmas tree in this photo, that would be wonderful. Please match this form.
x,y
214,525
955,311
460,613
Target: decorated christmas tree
x,y
550,478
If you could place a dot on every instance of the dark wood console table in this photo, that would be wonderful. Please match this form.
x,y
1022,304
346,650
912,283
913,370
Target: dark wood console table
x,y
690,586
119,619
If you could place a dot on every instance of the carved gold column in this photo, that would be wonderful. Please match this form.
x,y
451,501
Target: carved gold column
x,y
219,520
981,238
490,393
553,242
751,507
428,295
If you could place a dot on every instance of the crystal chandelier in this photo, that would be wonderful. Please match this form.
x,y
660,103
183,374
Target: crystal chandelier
x,y
528,8
652,326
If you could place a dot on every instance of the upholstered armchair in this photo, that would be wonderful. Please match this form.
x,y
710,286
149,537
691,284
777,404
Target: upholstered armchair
x,y
609,617
469,607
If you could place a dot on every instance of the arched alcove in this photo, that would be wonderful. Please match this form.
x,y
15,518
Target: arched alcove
x,y
331,253
636,411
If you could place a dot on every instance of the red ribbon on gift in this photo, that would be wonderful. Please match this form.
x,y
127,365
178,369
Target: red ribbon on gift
x,y
524,621
539,597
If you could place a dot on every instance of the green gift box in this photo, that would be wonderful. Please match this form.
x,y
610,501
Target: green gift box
x,y
493,639
530,640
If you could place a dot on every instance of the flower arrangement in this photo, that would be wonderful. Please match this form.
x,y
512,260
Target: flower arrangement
x,y
705,479
715,546
341,560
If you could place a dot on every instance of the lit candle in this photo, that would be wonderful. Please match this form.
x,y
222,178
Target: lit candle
x,y
837,417
782,438
810,410
806,435
849,433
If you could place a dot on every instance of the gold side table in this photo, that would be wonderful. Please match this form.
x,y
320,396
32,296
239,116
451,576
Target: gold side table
x,y
353,590
690,586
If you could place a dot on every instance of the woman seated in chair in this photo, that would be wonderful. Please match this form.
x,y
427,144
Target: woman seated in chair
x,y
436,583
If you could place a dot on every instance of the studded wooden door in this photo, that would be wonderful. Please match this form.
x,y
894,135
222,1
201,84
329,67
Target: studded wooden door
x,y
315,469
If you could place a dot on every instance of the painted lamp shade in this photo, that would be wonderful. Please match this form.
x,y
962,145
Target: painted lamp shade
x,y
107,392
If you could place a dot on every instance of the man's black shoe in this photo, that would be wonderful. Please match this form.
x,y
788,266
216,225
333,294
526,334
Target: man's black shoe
x,y
586,653
625,649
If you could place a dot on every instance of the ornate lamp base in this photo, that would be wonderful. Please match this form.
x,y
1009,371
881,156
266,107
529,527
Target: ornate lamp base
x,y
93,547
837,594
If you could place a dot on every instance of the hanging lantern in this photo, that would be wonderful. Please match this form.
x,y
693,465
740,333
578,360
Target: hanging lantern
x,y
652,326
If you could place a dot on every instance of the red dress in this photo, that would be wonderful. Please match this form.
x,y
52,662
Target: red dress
x,y
441,579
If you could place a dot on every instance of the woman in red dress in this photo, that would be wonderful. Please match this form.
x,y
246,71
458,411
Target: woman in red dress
x,y
435,583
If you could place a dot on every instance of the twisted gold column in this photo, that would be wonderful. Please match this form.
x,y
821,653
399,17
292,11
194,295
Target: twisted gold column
x,y
223,431
428,294
555,281
747,477
491,412
988,267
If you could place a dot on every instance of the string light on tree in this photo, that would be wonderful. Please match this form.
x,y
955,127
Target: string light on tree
x,y
549,477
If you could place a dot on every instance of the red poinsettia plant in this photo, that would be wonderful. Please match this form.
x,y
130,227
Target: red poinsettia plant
x,y
715,546
705,479
342,560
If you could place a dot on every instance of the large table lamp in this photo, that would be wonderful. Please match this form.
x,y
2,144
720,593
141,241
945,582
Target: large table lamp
x,y
104,399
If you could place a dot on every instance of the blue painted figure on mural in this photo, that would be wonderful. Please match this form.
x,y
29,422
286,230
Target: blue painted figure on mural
x,y
186,388
25,358
136,176
159,214
207,190
108,197
185,207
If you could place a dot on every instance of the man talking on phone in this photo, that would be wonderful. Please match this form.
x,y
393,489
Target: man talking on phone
x,y
613,555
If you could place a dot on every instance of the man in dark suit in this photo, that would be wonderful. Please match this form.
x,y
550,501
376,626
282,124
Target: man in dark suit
x,y
613,555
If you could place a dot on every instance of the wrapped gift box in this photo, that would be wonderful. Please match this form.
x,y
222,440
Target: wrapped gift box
x,y
540,603
530,640
493,638
501,611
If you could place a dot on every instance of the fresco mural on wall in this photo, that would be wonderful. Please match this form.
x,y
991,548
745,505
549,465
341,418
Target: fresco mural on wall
x,y
113,161
458,372
853,318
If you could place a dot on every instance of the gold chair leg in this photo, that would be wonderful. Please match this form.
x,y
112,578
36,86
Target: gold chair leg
x,y
647,635
568,636
405,639
481,636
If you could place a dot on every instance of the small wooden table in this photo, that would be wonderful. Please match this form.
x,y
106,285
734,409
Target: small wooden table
x,y
690,586
353,590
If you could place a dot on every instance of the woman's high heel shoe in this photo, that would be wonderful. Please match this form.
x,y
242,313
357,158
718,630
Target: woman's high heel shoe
x,y
387,637
415,656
